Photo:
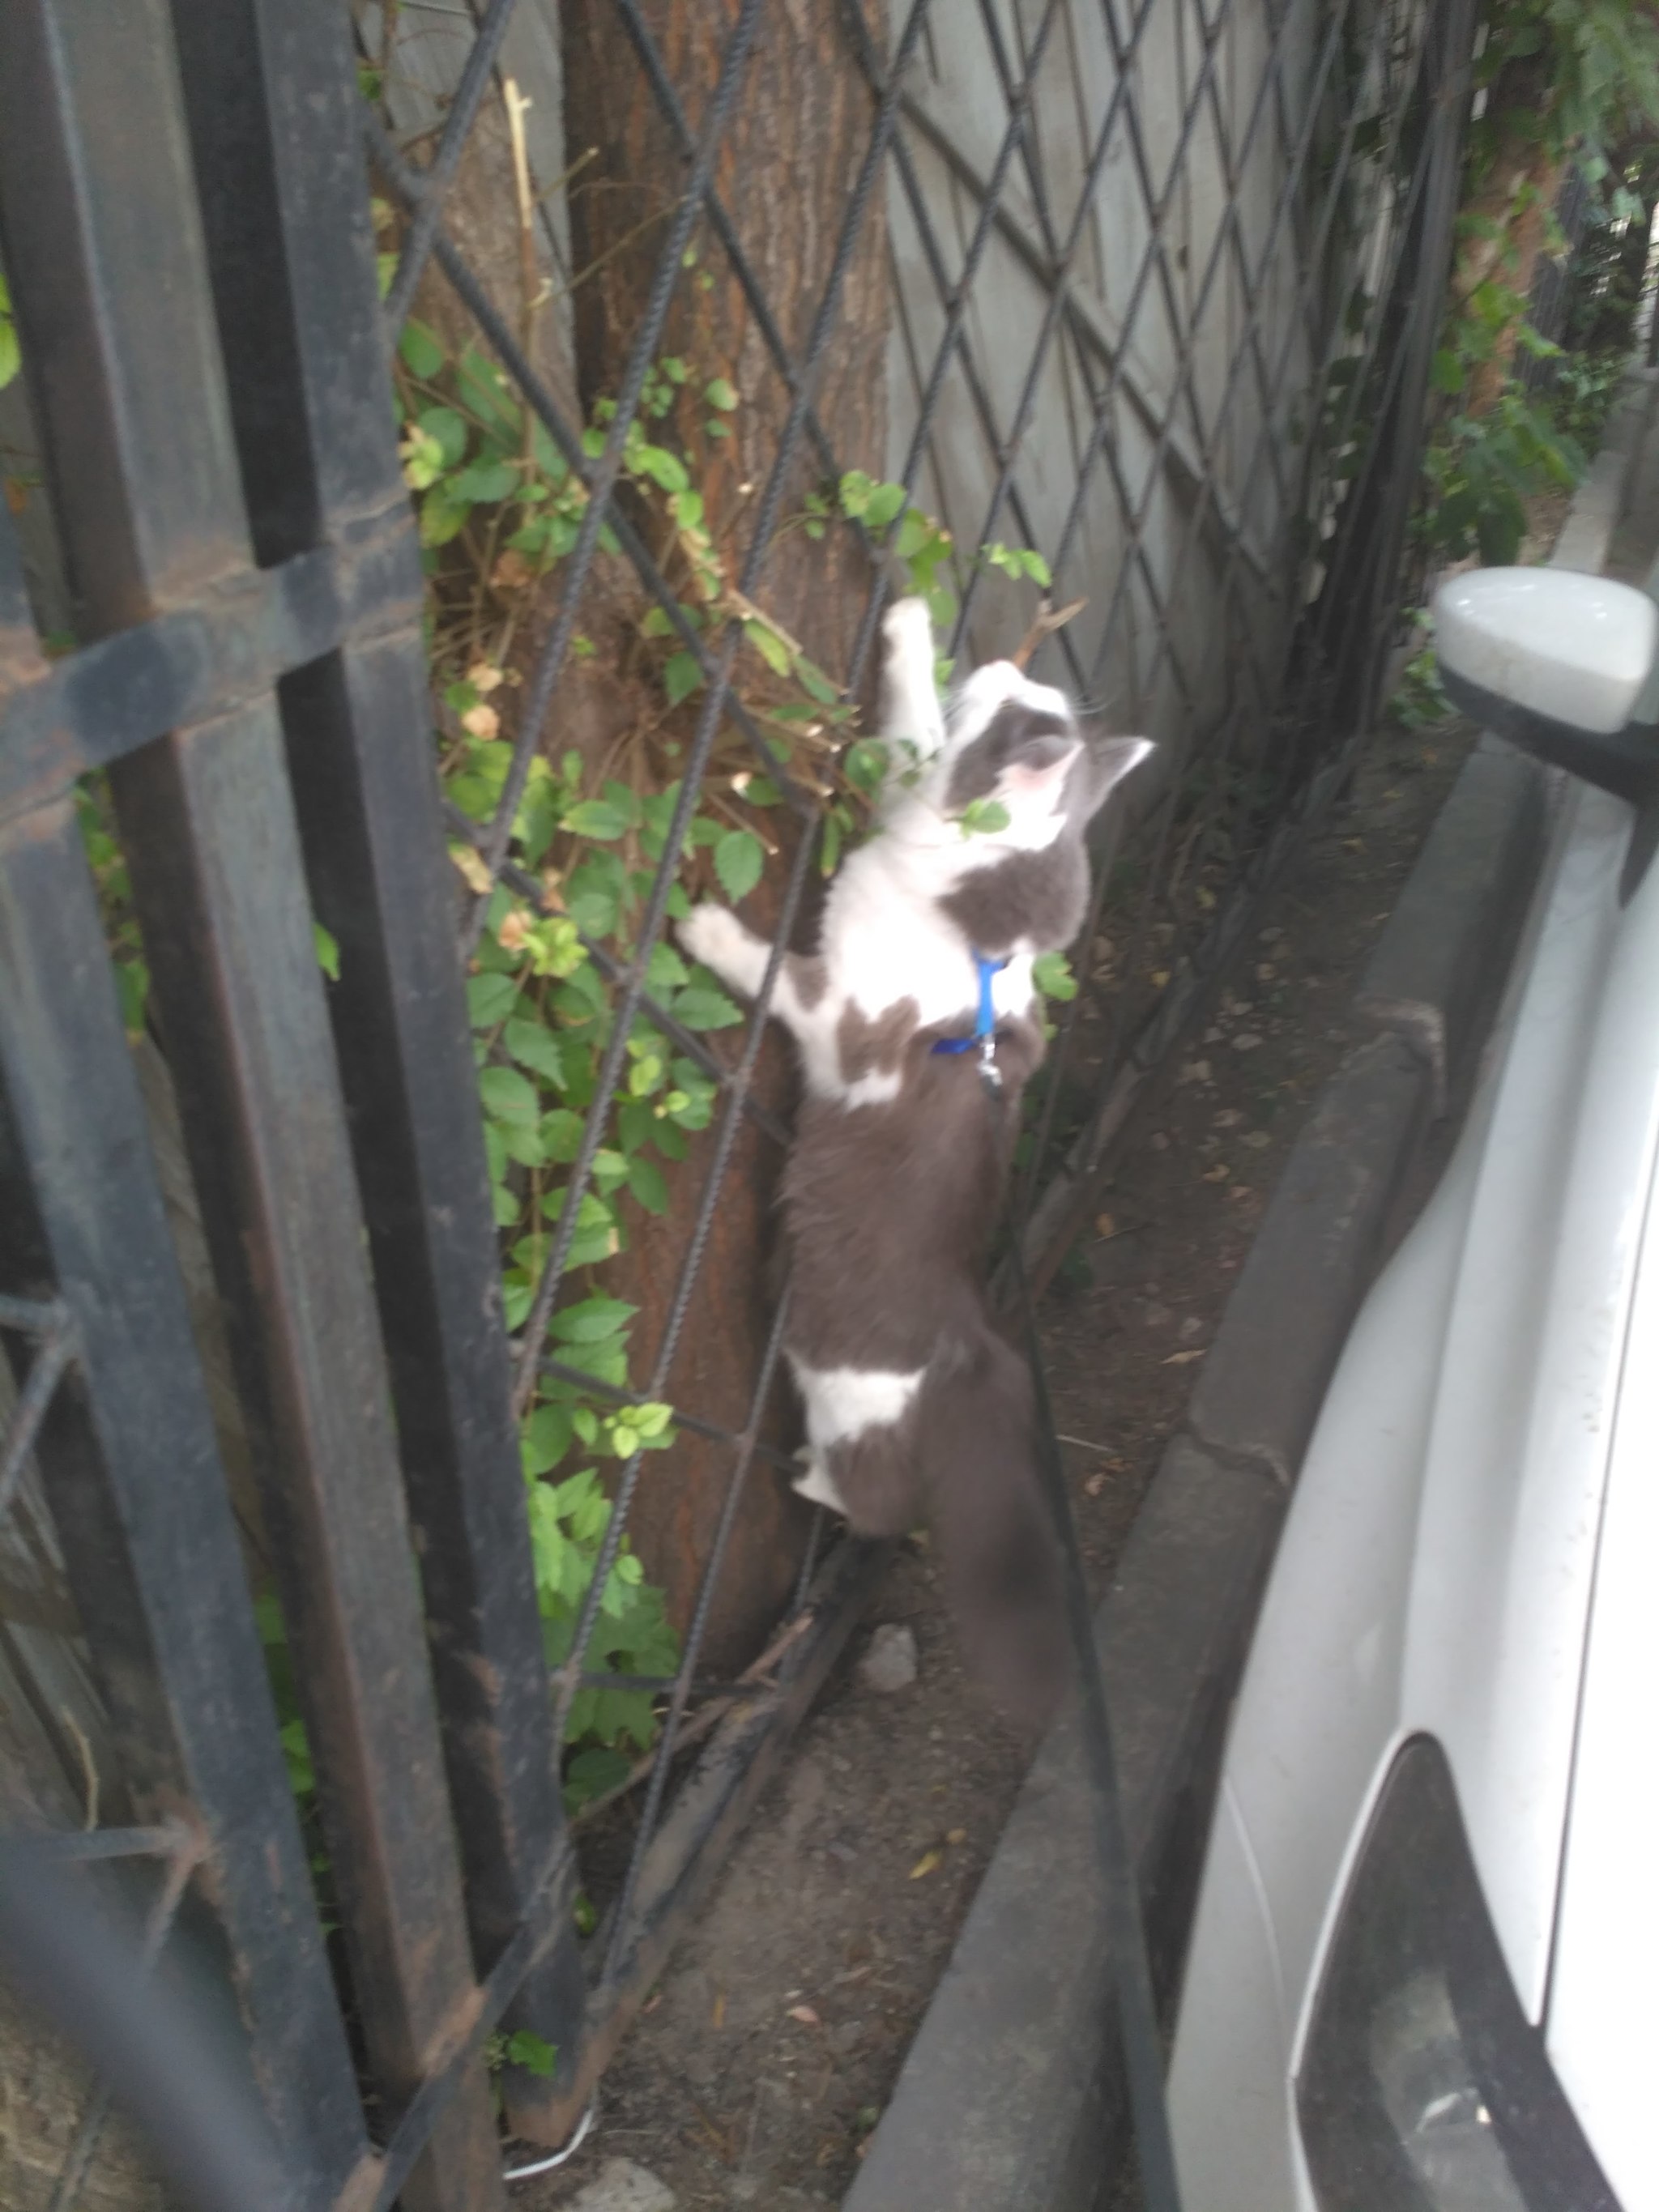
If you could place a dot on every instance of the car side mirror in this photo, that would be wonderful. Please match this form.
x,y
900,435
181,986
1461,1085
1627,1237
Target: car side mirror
x,y
1557,663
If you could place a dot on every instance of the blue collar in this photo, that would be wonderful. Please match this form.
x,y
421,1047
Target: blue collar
x,y
985,1021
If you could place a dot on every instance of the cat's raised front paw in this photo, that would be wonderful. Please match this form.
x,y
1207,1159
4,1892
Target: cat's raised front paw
x,y
712,936
907,626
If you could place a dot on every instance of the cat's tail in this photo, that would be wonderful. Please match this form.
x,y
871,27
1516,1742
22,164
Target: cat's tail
x,y
978,1446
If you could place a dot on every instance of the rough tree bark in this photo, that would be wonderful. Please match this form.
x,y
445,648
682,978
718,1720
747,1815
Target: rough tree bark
x,y
787,169
1506,214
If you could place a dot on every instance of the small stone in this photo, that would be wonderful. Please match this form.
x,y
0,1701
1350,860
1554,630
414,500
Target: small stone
x,y
1257,1139
1246,1041
1192,1326
1158,1141
890,1665
1228,1118
621,2187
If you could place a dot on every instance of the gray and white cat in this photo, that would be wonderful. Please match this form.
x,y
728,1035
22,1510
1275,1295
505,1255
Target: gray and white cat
x,y
916,1407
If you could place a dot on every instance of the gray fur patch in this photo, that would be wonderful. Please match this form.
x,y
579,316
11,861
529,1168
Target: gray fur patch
x,y
1015,732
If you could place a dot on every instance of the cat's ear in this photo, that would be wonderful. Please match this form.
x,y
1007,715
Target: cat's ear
x,y
1038,765
1111,759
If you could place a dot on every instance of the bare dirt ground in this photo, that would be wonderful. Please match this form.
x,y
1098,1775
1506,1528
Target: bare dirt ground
x,y
774,2040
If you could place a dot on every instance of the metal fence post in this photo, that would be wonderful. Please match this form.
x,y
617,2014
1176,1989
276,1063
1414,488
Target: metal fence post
x,y
271,97
130,1466
105,249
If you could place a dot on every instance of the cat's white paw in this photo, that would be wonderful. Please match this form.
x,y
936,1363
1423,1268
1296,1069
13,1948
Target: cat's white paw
x,y
816,1484
908,627
711,935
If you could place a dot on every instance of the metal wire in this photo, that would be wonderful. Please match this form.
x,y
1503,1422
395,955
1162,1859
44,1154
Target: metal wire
x,y
1186,441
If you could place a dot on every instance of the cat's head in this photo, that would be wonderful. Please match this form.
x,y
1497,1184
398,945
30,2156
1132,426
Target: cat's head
x,y
1019,768
1016,783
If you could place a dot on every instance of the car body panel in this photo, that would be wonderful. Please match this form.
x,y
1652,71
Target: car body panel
x,y
1435,1569
1601,2039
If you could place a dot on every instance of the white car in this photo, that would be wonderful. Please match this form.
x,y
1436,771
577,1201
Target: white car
x,y
1423,1974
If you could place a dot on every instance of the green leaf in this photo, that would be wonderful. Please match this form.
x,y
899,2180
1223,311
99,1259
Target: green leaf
x,y
816,684
507,1095
448,431
609,1169
535,1047
739,859
855,490
592,1772
666,971
597,817
488,998
915,530
646,1180
441,517
561,1134
770,645
1447,373
522,1141
1052,974
533,2053
592,1320
681,675
666,469
702,1006
884,503
718,393
487,482
982,817
1037,568
421,353
546,1439
328,952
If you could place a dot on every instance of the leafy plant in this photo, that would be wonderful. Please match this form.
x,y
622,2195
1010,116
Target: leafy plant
x,y
1482,469
1420,701
1596,60
498,507
11,361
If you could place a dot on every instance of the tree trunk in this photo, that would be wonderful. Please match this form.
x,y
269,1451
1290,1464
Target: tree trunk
x,y
785,172
1506,214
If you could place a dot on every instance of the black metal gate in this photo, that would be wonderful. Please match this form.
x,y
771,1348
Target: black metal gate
x,y
186,228
237,535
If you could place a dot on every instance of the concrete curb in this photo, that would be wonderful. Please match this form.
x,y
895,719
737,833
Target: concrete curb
x,y
1012,2097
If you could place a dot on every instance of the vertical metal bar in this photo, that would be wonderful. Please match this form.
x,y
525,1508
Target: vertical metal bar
x,y
127,1453
271,96
103,247
1451,36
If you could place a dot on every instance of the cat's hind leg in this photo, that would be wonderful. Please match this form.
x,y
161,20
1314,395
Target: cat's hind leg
x,y
860,1445
816,1484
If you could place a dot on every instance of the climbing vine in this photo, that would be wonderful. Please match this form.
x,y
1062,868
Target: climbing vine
x,y
498,508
